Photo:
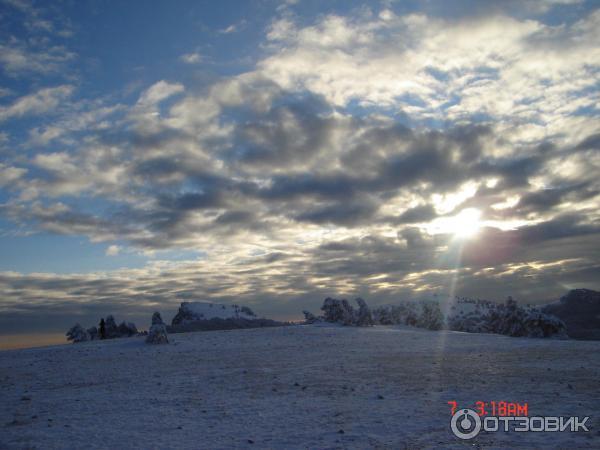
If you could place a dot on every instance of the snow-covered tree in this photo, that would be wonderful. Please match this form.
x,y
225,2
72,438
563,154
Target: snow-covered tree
x,y
405,313
474,316
309,317
431,316
77,334
471,322
93,332
338,311
127,329
539,324
158,331
363,316
112,331
157,319
509,319
247,310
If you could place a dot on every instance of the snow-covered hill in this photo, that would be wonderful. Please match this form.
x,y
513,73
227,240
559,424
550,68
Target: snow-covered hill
x,y
296,387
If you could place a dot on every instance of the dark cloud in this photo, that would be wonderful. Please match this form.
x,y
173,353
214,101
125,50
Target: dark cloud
x,y
493,246
545,199
423,213
341,213
415,239
334,185
589,143
292,132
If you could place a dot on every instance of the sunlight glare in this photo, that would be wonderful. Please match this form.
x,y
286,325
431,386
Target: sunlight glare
x,y
464,225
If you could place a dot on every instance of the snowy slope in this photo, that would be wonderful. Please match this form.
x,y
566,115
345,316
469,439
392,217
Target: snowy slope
x,y
318,387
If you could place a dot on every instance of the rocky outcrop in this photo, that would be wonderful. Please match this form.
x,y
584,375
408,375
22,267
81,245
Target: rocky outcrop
x,y
579,309
196,311
204,316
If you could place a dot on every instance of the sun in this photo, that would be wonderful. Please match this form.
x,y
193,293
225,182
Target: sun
x,y
463,225
466,224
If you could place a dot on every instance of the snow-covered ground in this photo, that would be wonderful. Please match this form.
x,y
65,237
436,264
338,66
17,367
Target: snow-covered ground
x,y
315,387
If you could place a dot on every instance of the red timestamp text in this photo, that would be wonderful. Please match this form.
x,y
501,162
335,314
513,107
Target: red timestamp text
x,y
495,408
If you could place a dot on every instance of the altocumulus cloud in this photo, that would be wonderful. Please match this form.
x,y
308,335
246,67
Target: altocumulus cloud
x,y
320,169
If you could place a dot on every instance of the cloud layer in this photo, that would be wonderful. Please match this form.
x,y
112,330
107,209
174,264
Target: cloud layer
x,y
325,169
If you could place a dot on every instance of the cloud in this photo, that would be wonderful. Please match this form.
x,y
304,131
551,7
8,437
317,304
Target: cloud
x,y
10,175
233,28
18,58
39,102
75,116
321,170
113,250
191,58
381,268
494,66
178,178
422,213
159,92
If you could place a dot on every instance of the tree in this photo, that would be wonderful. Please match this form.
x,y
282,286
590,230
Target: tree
x,y
77,334
102,328
158,331
363,316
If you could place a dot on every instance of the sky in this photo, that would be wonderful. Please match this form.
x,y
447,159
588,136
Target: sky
x,y
275,153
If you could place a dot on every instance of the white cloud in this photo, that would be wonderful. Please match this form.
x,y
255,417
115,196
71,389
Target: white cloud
x,y
17,58
512,71
39,102
113,250
80,115
191,58
9,174
158,92
229,29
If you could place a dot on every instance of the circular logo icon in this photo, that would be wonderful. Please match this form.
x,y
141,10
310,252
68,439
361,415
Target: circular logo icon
x,y
465,424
